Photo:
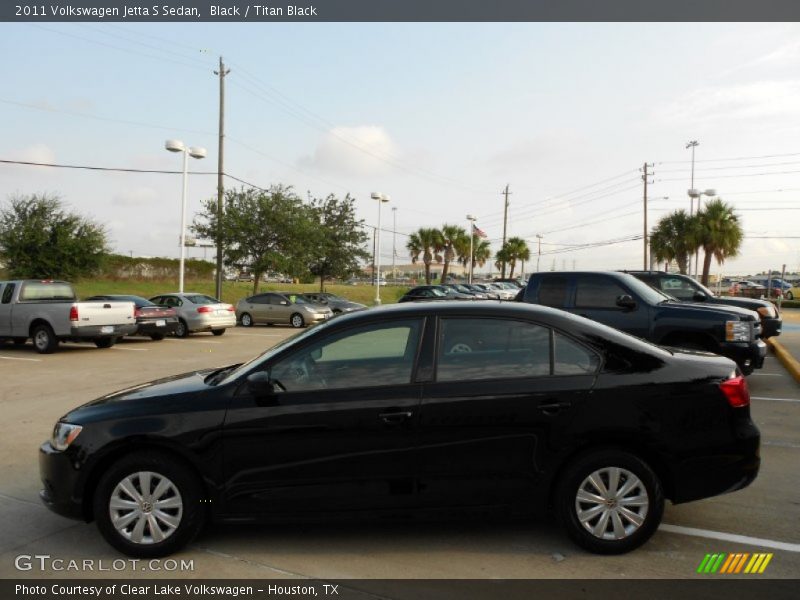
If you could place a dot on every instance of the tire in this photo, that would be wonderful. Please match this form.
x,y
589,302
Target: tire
x,y
105,342
182,330
218,332
44,340
139,522
747,370
157,337
789,296
643,501
297,321
246,320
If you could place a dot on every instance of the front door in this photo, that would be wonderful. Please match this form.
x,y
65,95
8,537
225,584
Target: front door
x,y
596,298
338,433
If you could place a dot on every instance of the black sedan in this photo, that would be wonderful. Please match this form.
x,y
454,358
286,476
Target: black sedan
x,y
336,303
439,405
152,320
433,292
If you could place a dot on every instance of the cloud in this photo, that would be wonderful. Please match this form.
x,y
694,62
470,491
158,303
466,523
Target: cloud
x,y
40,153
359,150
135,197
759,100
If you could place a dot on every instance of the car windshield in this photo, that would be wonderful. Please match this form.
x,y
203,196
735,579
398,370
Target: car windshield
x,y
649,294
201,299
270,352
295,299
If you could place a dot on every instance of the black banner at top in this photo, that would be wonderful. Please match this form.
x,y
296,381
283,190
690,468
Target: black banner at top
x,y
261,11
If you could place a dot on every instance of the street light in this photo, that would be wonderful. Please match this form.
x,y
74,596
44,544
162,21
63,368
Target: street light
x,y
693,193
471,220
194,152
381,198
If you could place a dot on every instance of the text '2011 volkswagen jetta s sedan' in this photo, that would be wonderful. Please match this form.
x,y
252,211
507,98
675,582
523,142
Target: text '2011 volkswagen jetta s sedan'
x,y
447,405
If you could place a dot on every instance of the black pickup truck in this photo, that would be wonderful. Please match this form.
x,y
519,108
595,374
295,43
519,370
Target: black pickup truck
x,y
622,301
686,289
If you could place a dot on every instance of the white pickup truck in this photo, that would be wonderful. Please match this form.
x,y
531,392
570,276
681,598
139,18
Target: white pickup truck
x,y
47,312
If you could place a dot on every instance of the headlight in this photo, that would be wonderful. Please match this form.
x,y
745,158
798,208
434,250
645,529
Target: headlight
x,y
767,311
63,435
737,331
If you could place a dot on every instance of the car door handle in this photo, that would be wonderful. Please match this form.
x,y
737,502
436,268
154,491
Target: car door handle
x,y
395,418
551,408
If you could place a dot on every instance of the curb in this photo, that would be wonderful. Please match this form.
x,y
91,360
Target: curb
x,y
787,360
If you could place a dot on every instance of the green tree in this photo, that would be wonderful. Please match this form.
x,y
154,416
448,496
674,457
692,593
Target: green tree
x,y
427,243
453,240
262,231
40,239
515,249
481,252
718,232
674,238
339,239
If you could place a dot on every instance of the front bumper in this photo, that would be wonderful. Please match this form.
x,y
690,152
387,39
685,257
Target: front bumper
x,y
771,327
746,354
60,483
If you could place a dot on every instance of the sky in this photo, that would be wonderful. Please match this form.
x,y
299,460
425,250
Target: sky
x,y
439,116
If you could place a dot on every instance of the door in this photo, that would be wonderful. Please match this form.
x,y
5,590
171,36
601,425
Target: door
x,y
338,434
6,292
258,307
596,297
499,410
278,309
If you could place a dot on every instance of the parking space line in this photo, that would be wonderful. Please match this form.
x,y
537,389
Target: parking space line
x,y
256,334
775,399
132,349
18,358
780,444
193,341
730,537
766,374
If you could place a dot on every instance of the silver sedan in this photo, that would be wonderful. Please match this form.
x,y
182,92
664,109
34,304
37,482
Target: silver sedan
x,y
280,307
198,312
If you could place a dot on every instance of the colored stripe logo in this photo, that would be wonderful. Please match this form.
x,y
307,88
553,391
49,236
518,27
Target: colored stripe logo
x,y
736,563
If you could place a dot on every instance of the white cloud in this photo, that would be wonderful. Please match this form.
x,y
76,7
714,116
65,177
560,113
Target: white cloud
x,y
359,150
40,153
759,100
135,197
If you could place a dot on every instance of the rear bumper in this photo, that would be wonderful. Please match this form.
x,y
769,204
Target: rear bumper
x,y
203,323
91,332
151,327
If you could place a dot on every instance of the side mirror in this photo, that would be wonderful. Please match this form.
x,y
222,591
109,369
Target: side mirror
x,y
260,384
699,296
626,302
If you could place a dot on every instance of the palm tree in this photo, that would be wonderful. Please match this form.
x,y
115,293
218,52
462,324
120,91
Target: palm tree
x,y
718,232
514,249
674,238
481,252
428,243
452,240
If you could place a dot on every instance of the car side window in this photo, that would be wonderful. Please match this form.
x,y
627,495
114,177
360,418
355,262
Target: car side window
x,y
377,354
261,299
598,292
553,291
275,299
8,291
571,358
473,349
677,287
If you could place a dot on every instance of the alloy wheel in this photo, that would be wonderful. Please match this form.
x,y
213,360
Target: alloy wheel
x,y
612,503
145,507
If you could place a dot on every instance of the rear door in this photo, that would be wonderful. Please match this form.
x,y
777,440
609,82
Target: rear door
x,y
499,409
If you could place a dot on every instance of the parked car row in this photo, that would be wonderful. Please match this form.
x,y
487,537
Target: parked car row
x,y
462,291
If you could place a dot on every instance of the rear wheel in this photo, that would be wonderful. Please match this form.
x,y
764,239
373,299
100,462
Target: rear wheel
x,y
218,332
182,330
105,342
44,340
296,320
609,501
246,320
148,505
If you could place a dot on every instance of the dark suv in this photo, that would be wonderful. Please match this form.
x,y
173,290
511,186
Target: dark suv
x,y
686,289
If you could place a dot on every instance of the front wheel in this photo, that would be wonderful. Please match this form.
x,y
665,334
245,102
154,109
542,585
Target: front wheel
x,y
148,505
297,321
609,501
182,330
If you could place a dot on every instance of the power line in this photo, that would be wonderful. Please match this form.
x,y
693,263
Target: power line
x,y
91,168
742,175
673,162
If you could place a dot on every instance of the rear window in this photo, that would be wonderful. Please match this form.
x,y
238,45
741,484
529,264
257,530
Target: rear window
x,y
200,299
42,291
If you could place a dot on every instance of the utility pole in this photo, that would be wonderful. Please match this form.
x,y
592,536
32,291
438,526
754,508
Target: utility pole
x,y
645,174
506,193
693,144
220,170
539,258
394,242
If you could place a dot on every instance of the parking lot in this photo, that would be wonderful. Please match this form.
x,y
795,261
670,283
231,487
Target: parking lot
x,y
37,389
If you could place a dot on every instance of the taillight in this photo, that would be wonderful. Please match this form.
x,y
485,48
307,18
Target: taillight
x,y
205,309
231,308
73,313
137,313
736,391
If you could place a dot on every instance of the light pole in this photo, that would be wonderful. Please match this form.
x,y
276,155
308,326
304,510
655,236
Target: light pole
x,y
381,198
693,193
194,152
539,258
471,220
394,243
693,144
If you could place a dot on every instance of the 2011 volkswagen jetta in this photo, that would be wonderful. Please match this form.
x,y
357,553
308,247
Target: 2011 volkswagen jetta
x,y
418,406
